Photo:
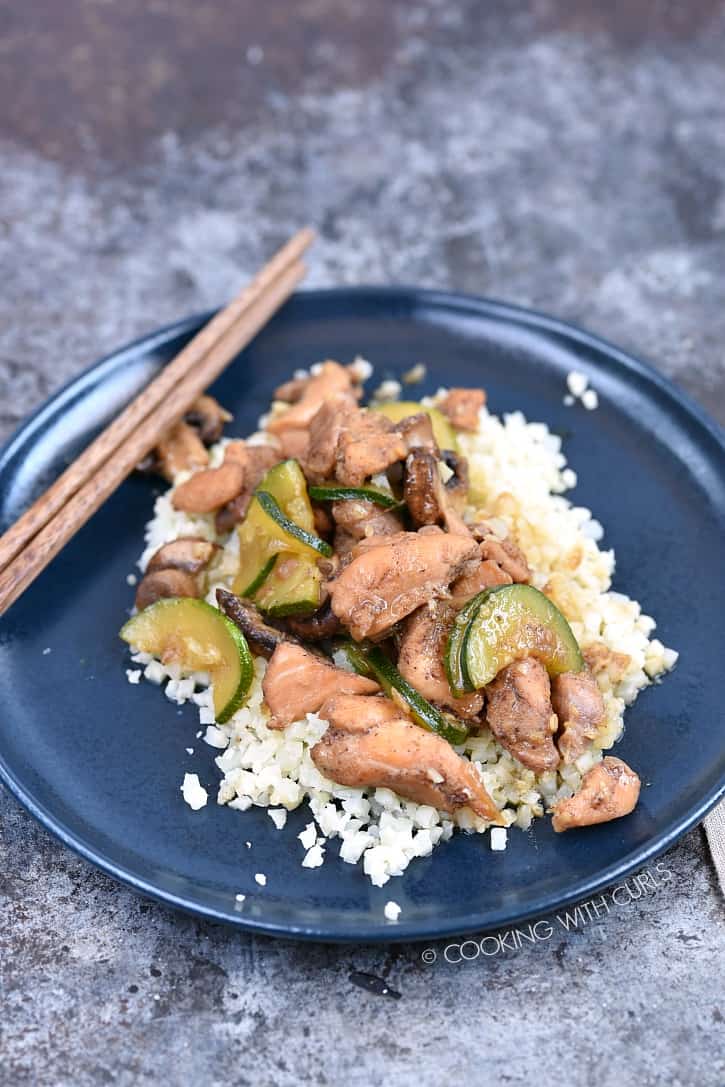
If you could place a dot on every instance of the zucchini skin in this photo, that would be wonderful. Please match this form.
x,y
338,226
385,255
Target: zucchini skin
x,y
272,509
337,492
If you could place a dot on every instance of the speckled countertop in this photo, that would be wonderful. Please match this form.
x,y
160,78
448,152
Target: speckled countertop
x,y
566,155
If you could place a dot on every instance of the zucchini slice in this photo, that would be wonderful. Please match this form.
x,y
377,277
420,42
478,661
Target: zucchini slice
x,y
199,638
299,536
338,492
292,588
396,410
371,661
261,538
505,624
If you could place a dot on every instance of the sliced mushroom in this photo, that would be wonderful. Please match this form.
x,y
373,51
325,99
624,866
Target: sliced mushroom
x,y
162,583
189,553
456,487
417,430
208,417
314,628
209,490
180,450
423,488
264,638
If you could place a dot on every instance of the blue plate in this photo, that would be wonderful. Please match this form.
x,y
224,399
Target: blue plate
x,y
100,763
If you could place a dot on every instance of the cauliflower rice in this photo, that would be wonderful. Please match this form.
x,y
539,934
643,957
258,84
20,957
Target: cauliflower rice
x,y
518,478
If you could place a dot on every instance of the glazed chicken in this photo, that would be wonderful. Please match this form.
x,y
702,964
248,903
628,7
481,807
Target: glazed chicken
x,y
578,703
297,682
520,715
370,742
421,654
609,791
389,577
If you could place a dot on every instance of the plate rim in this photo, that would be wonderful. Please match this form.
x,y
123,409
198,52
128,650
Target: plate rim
x,y
402,932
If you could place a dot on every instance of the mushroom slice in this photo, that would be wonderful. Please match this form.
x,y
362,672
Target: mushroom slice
x,y
207,491
314,628
189,553
180,450
208,417
263,638
417,430
456,487
423,488
608,791
169,582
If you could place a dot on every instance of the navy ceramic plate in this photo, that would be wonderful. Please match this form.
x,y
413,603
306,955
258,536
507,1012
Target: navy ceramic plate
x,y
100,763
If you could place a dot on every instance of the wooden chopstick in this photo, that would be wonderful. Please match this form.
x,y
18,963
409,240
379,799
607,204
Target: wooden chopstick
x,y
62,526
192,356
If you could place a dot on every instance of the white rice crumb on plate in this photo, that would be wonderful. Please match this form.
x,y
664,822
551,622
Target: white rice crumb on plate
x,y
194,792
314,857
590,400
576,382
261,879
278,816
46,651
415,375
498,839
133,675
391,911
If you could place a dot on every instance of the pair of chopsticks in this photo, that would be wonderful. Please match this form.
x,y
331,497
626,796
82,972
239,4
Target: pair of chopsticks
x,y
40,533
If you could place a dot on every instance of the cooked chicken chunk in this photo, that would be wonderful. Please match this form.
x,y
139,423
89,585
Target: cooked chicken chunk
x,y
360,518
462,406
368,443
420,661
389,577
255,461
297,682
324,433
609,791
330,379
508,555
579,705
487,575
209,489
371,743
520,716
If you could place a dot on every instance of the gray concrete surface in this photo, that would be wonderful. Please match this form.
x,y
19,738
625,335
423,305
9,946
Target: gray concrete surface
x,y
570,156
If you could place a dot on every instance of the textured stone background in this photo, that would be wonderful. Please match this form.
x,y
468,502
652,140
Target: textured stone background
x,y
566,155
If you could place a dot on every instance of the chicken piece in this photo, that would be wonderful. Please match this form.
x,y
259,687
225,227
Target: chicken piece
x,y
487,575
208,417
417,430
519,714
255,461
508,555
370,743
209,489
389,577
600,658
297,682
360,518
323,435
368,443
579,705
420,660
164,583
330,379
180,450
462,407
608,791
